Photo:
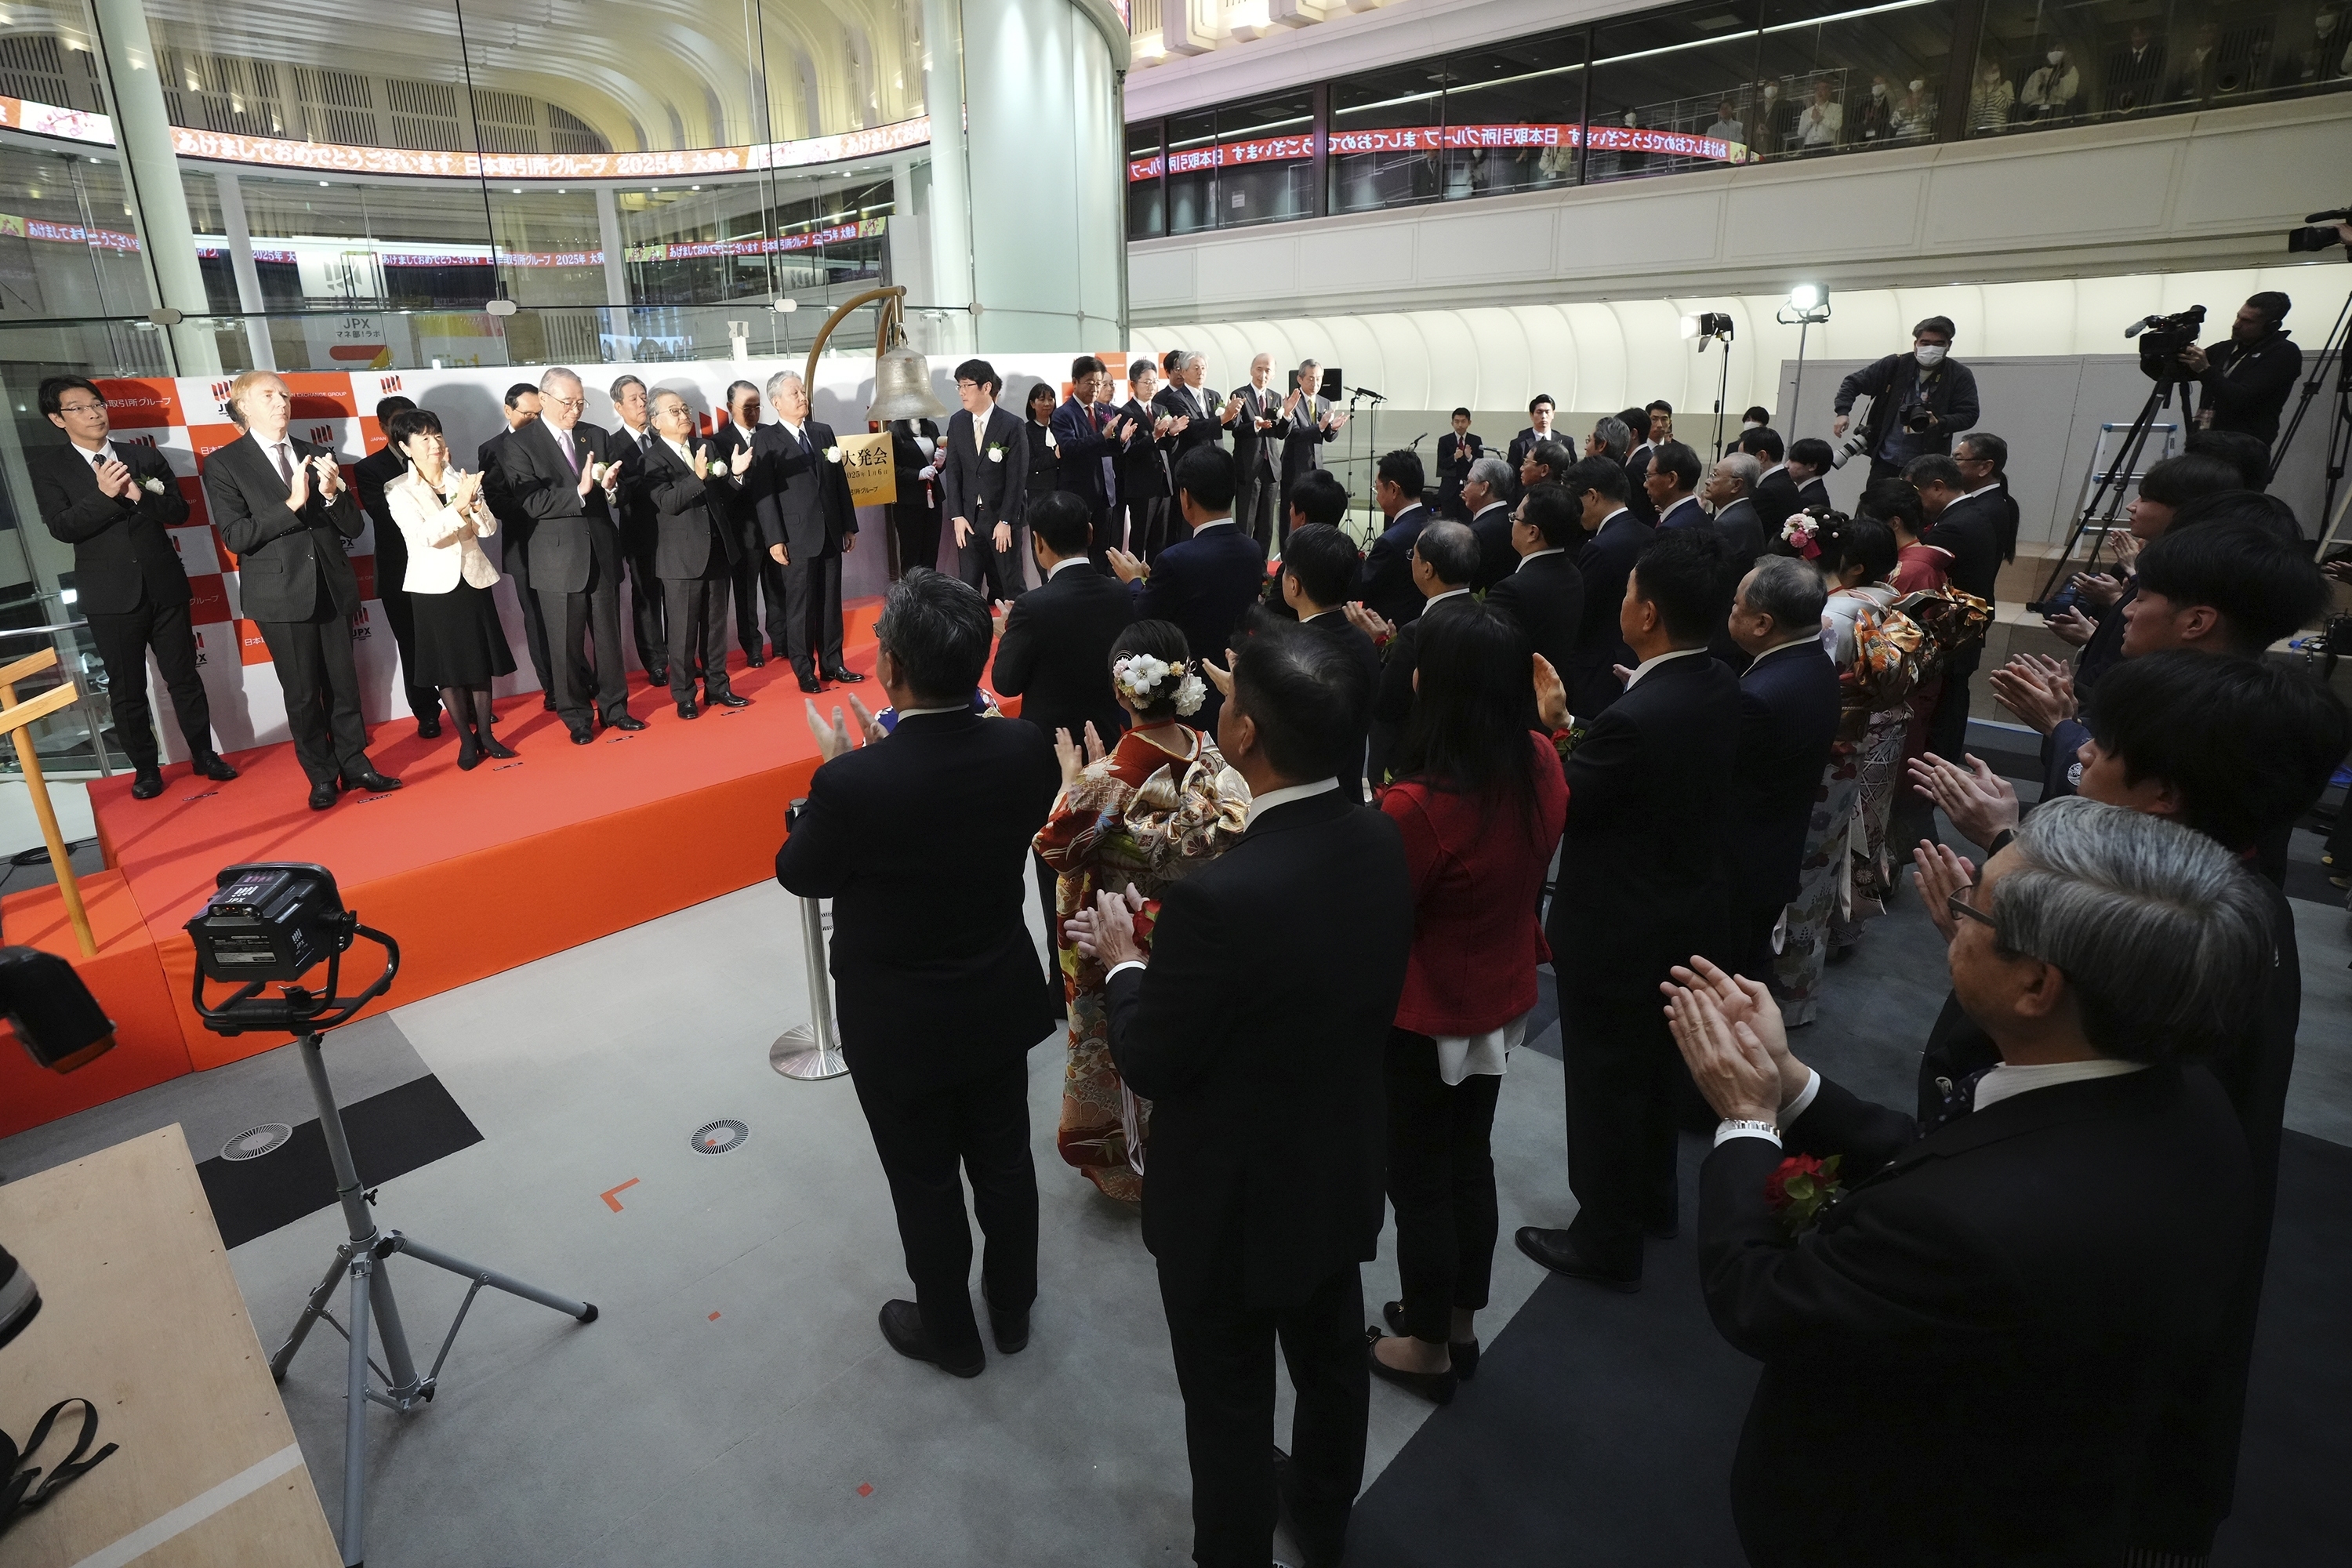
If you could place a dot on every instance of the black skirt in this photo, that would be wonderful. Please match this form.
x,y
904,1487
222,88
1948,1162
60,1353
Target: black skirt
x,y
460,641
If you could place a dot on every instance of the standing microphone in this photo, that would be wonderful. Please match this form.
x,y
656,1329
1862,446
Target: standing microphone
x,y
1366,393
1415,444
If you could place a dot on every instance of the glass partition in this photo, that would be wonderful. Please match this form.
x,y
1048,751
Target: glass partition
x,y
1678,90
1386,132
1512,114
1859,79
1147,186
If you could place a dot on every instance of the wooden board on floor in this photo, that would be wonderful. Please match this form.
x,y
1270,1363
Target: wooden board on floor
x,y
141,1315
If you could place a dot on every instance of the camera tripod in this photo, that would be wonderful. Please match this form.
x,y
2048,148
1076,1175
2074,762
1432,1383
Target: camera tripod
x,y
2339,427
363,1257
2110,490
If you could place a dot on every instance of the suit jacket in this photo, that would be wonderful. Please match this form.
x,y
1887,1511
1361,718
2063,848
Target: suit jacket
x,y
1455,456
927,1003
1527,441
1393,698
801,497
1606,563
1335,624
1384,581
1776,497
1788,720
1497,556
489,460
1056,653
1205,584
1080,448
1744,533
1687,512
690,515
1269,1133
1970,529
442,546
1257,453
981,492
1545,597
283,556
1637,474
1645,873
371,476
120,551
1142,466
1953,1319
1303,437
638,519
1814,494
569,532
1178,400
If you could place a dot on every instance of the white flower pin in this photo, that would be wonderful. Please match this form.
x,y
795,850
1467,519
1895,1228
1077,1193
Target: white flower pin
x,y
152,485
833,454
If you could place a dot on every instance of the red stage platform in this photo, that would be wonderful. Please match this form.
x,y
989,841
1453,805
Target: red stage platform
x,y
471,873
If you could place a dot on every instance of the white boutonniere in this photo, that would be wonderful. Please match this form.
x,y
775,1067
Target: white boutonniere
x,y
152,485
833,454
996,451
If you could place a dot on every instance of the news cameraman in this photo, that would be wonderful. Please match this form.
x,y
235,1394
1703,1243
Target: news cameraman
x,y
1918,401
2247,379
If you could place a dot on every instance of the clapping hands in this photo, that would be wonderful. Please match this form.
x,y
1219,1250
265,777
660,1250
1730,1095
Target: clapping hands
x,y
1074,762
1942,872
833,739
2036,688
1551,695
1369,621
1106,932
1740,1001
114,480
1980,803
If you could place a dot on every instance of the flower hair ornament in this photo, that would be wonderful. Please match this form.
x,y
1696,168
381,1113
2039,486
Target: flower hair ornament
x,y
1138,676
1802,535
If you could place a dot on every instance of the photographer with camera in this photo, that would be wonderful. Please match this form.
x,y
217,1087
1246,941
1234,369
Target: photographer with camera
x,y
1918,401
2245,381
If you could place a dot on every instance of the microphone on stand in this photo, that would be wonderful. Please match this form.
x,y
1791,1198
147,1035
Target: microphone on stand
x,y
1415,444
1366,393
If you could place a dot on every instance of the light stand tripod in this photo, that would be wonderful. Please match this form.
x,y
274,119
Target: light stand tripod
x,y
2339,428
363,1258
2110,490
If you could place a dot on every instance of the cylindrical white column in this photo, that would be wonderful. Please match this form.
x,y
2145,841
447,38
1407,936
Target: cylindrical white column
x,y
240,262
143,129
616,272
949,217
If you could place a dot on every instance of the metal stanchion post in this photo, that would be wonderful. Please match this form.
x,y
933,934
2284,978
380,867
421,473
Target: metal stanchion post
x,y
811,1050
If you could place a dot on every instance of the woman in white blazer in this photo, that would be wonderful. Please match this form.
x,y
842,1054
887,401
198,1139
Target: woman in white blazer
x,y
460,646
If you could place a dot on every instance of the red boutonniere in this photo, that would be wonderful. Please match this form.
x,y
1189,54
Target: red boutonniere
x,y
1802,1188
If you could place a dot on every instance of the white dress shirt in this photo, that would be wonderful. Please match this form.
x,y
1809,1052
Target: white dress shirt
x,y
1532,555
1063,564
1436,599
2004,1082
1648,665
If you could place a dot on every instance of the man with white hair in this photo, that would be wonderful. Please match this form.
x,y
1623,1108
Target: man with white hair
x,y
801,494
1308,421
1486,498
1731,490
1258,441
559,471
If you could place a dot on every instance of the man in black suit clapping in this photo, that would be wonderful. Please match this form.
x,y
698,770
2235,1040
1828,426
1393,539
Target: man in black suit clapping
x,y
1202,583
1788,720
696,552
1444,558
112,503
1645,880
520,408
1318,572
282,507
937,1012
808,524
1264,1195
1545,592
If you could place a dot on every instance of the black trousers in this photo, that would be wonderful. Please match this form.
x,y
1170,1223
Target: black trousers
x,y
694,612
1224,1366
1255,499
1441,1184
917,529
647,600
322,694
1622,1083
1147,526
758,577
812,613
1947,726
123,642
929,1144
424,701
574,620
516,563
1057,1004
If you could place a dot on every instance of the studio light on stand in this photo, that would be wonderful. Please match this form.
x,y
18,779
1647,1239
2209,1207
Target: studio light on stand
x,y
1714,327
1808,305
272,923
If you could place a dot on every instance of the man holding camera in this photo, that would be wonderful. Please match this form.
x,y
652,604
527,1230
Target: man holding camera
x,y
2245,382
1918,401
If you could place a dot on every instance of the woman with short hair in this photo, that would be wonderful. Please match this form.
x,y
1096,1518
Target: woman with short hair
x,y
461,646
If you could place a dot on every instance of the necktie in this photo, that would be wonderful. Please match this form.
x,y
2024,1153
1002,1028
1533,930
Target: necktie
x,y
285,466
563,445
98,459
807,450
1959,1099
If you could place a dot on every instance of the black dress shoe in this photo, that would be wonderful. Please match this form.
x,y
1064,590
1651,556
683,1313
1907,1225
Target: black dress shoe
x,y
726,699
429,727
625,721
1010,1330
323,797
146,784
370,782
1557,1252
582,738
1437,1387
845,675
687,710
547,703
810,683
756,660
902,1325
213,768
1464,1352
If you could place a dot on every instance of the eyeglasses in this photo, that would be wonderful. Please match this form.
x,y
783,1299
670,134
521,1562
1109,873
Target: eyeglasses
x,y
1958,902
81,408
565,402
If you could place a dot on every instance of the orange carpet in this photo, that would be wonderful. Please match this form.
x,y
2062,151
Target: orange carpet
x,y
472,873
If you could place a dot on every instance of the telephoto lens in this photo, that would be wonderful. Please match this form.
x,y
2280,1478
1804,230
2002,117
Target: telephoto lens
x,y
20,1299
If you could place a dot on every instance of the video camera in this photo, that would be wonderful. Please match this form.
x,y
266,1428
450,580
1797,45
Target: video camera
x,y
2321,235
2163,340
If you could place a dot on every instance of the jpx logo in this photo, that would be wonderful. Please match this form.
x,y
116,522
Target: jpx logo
x,y
220,390
388,383
322,434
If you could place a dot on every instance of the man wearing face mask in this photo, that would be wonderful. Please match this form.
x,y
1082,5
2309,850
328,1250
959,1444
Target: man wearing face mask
x,y
1776,120
1918,401
1915,114
1875,121
2245,381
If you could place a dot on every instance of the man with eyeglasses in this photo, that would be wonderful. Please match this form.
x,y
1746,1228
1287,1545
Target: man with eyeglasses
x,y
113,504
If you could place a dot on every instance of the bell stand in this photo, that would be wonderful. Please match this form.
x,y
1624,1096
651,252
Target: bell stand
x,y
365,1257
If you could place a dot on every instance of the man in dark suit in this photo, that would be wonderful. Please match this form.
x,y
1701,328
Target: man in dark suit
x,y
1637,464
1545,463
1205,418
1457,450
1975,1267
1540,409
1264,1195
695,552
757,575
1613,539
1485,501
639,521
1775,493
1204,583
1645,880
369,476
112,503
1787,721
984,483
1308,421
282,507
1318,572
1258,431
1982,458
520,408
1445,556
915,515
808,524
1731,490
1088,439
559,471
938,1013
1545,594
1384,583
1672,481
1969,527
1810,461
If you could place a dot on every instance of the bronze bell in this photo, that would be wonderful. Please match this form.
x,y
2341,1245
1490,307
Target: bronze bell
x,y
902,387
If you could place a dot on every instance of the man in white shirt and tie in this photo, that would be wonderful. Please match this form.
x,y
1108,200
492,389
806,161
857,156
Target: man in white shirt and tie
x,y
639,526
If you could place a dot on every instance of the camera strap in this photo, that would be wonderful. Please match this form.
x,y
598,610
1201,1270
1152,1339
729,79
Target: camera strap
x,y
18,1495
